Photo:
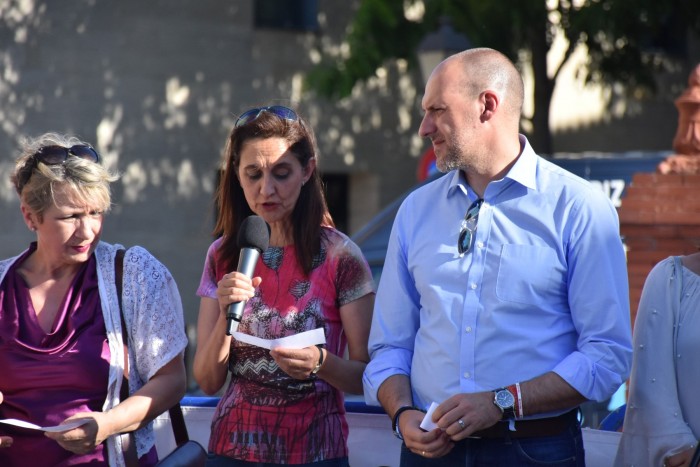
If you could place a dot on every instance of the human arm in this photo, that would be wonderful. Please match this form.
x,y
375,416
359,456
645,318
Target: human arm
x,y
162,391
655,424
598,299
344,374
545,393
392,333
213,345
395,393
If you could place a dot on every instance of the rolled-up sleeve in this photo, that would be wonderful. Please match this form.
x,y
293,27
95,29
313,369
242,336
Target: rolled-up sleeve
x,y
598,294
395,320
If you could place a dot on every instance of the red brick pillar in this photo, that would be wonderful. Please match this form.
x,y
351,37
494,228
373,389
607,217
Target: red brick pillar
x,y
659,217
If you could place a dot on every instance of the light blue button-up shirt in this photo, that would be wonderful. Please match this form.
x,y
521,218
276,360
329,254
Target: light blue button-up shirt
x,y
544,288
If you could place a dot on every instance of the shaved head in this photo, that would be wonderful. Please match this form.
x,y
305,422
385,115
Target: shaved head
x,y
487,69
473,103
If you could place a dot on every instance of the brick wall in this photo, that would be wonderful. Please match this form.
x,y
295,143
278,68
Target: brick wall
x,y
659,217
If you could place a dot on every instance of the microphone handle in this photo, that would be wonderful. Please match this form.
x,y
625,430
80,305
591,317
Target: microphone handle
x,y
246,265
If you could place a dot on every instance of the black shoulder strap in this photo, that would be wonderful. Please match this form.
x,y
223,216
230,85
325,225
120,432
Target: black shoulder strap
x,y
118,274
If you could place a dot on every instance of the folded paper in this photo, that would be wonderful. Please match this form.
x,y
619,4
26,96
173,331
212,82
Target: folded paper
x,y
297,341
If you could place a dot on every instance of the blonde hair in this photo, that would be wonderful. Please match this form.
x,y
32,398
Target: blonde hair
x,y
37,183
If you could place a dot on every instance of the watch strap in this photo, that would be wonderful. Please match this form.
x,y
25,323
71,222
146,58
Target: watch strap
x,y
320,359
395,419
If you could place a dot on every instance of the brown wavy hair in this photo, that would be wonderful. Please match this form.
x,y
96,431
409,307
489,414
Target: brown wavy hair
x,y
310,213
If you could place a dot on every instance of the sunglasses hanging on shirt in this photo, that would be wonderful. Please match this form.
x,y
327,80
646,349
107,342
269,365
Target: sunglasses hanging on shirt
x,y
468,228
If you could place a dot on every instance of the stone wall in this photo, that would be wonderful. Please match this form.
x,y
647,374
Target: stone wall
x,y
659,217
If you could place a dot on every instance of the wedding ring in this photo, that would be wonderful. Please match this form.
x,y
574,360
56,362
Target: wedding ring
x,y
422,453
461,424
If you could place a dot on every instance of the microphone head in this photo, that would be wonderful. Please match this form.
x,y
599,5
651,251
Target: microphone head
x,y
254,233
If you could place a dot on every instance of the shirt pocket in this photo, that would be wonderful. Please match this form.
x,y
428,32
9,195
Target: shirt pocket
x,y
528,274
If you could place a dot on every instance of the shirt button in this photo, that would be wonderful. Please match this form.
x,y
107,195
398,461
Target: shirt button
x,y
467,375
469,329
473,286
480,245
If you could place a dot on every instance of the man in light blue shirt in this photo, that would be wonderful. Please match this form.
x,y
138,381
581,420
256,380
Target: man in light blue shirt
x,y
504,295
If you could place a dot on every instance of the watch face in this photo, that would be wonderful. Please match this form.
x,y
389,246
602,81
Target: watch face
x,y
505,399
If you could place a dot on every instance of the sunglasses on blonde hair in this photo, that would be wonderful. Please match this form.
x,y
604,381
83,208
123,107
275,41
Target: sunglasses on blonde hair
x,y
55,155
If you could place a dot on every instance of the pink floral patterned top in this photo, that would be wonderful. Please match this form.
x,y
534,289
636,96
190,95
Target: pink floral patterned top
x,y
265,415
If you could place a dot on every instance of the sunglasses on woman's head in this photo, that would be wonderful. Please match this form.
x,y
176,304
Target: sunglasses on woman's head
x,y
55,154
285,113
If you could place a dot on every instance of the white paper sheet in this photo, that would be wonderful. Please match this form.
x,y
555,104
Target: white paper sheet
x,y
58,428
297,341
427,424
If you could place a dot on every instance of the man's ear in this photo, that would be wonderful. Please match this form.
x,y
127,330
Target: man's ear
x,y
490,103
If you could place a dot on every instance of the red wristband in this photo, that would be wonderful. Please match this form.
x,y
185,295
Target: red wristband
x,y
518,407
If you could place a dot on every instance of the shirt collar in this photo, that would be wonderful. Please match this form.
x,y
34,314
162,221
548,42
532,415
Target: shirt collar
x,y
524,172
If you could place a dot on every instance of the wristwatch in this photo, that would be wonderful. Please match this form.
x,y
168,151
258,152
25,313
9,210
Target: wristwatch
x,y
504,400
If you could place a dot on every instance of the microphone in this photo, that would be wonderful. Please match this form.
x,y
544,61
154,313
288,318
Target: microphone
x,y
253,239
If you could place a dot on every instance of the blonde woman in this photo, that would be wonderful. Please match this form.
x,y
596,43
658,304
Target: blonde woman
x,y
61,347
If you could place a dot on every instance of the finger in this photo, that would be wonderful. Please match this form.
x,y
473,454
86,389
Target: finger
x,y
458,433
294,368
446,406
294,356
432,441
430,452
444,451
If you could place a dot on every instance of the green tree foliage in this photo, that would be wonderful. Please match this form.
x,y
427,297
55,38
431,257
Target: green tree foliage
x,y
628,41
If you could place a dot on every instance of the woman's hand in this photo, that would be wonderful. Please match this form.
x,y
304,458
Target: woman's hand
x,y
297,363
85,438
682,459
165,388
5,441
235,287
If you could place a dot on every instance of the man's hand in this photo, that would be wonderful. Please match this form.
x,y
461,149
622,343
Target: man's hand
x,y
463,414
430,444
